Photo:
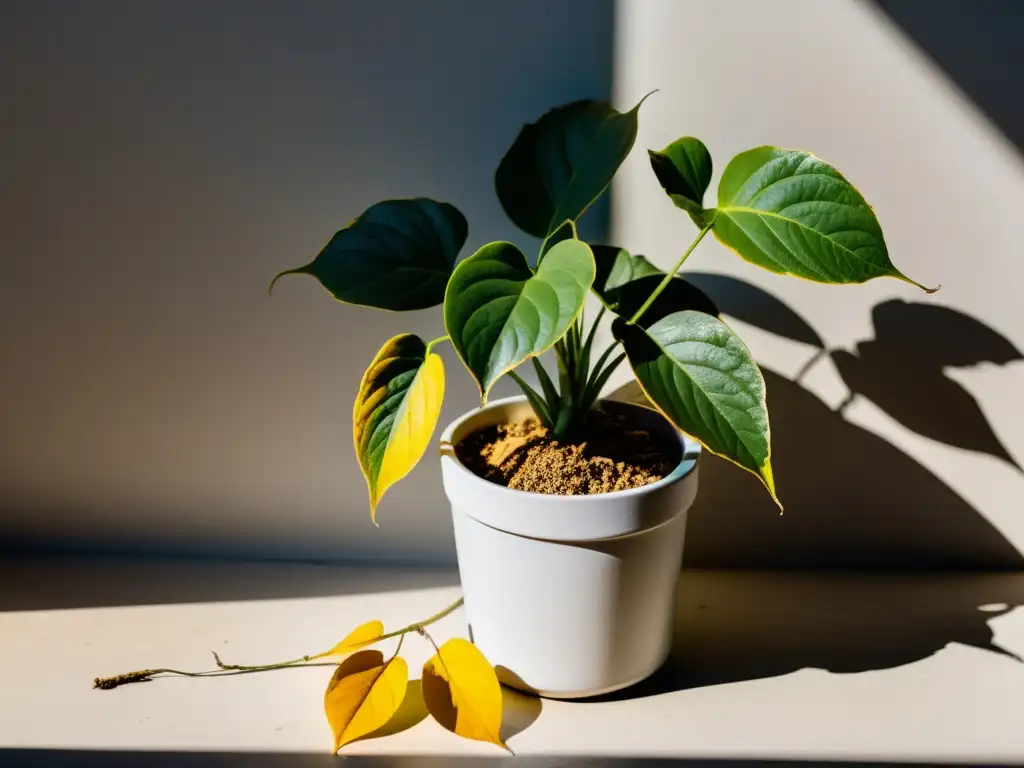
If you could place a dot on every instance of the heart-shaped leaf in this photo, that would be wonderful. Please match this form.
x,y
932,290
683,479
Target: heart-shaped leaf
x,y
624,281
396,411
462,692
359,637
684,170
498,313
791,213
702,378
364,693
558,166
397,255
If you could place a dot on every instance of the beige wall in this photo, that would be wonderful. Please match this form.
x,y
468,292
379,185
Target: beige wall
x,y
161,161
875,487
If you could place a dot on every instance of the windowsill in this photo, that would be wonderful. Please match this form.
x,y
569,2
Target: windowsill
x,y
766,664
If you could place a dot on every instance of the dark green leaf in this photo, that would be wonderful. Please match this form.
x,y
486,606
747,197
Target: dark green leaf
x,y
701,376
684,170
558,166
498,313
624,281
790,213
397,255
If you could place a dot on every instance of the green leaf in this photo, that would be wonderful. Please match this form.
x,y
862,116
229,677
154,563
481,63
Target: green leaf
x,y
684,170
396,411
791,213
498,313
397,255
624,281
702,378
558,166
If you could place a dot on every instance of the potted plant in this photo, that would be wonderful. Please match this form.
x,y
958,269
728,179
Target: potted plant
x,y
569,512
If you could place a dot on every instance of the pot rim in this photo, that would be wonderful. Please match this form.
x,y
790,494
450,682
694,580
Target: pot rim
x,y
691,453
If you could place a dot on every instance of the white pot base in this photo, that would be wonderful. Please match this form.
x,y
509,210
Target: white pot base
x,y
563,695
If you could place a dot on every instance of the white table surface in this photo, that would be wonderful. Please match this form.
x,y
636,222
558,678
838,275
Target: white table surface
x,y
765,665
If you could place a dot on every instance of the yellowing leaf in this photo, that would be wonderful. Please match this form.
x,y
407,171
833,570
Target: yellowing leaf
x,y
396,411
357,638
364,693
462,692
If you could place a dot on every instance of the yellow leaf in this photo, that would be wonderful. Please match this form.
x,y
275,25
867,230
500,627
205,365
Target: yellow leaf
x,y
462,692
357,638
396,411
364,693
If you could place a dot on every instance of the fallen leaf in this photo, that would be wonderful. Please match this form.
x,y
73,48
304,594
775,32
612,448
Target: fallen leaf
x,y
462,692
364,693
362,635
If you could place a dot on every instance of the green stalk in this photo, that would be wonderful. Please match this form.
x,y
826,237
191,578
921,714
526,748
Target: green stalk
x,y
225,670
668,277
551,395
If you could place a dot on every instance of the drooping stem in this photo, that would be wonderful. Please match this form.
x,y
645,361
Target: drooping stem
x,y
145,675
668,277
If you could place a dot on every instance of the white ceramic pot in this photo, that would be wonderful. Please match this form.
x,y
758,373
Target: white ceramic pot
x,y
569,596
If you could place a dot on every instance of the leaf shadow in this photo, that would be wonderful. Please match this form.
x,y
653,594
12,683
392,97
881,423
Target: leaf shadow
x,y
854,502
903,371
518,710
755,306
411,712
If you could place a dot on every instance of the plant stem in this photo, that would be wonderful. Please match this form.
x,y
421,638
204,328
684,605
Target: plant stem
x,y
145,675
668,277
435,342
426,622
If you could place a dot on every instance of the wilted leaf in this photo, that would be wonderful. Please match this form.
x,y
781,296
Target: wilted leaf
x,y
684,170
397,255
462,692
362,635
791,213
699,374
558,166
624,281
364,693
396,411
499,314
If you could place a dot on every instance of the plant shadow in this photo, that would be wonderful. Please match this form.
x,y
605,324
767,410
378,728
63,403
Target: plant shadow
x,y
854,502
853,499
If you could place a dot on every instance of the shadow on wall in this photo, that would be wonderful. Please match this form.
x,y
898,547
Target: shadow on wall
x,y
854,500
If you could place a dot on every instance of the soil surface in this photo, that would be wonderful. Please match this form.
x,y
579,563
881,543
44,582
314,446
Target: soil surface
x,y
612,455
